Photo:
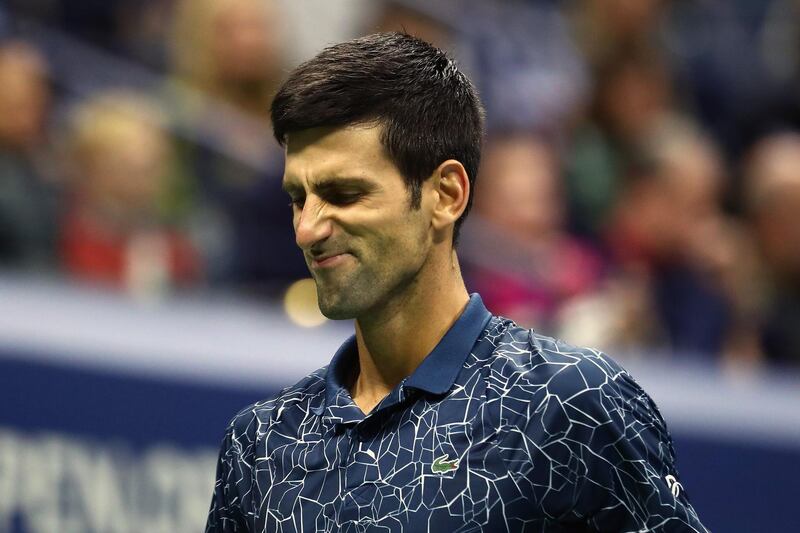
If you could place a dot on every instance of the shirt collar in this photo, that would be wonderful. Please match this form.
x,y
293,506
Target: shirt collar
x,y
339,373
438,371
436,374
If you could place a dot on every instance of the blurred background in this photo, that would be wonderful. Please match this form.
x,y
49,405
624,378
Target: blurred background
x,y
639,192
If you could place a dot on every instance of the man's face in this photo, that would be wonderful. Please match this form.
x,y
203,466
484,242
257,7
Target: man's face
x,y
362,242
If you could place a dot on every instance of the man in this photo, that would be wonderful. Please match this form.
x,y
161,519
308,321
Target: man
x,y
436,416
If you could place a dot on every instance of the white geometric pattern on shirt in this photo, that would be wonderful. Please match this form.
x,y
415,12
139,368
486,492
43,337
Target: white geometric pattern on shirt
x,y
536,427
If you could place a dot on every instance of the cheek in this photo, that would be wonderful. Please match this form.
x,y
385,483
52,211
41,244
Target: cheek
x,y
417,234
398,238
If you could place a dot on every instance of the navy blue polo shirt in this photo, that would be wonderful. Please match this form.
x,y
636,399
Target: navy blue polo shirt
x,y
498,429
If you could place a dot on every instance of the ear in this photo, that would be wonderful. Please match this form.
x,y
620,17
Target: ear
x,y
451,185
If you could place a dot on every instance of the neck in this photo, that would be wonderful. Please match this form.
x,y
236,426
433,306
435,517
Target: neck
x,y
393,340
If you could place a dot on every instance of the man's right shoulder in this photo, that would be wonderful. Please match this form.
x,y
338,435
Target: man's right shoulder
x,y
289,406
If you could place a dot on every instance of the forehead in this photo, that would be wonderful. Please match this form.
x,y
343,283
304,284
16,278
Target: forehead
x,y
329,152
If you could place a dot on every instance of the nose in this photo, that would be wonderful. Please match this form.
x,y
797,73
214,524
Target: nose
x,y
311,224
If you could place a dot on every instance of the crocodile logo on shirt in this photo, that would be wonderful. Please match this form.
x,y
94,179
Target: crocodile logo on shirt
x,y
441,465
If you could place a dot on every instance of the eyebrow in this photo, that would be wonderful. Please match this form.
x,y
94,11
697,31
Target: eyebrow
x,y
290,187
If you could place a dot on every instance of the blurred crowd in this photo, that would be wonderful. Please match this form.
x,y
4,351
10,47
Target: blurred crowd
x,y
639,183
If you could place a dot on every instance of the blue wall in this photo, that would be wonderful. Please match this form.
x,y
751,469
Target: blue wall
x,y
735,486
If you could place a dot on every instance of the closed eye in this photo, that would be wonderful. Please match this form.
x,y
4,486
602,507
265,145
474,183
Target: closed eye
x,y
344,191
337,191
298,201
342,198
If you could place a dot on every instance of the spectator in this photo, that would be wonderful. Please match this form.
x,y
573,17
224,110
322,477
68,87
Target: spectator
x,y
229,54
709,48
773,197
115,231
523,262
668,229
526,65
606,28
632,96
28,192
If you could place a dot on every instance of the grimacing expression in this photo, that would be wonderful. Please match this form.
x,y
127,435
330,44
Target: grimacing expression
x,y
362,241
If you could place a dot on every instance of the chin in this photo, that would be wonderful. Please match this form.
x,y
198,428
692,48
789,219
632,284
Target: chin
x,y
338,309
339,313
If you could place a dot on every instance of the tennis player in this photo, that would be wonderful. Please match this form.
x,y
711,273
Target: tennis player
x,y
435,416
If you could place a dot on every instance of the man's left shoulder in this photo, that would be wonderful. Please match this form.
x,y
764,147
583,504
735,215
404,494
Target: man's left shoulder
x,y
549,361
581,378
572,369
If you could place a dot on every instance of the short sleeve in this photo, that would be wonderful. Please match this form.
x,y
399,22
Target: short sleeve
x,y
630,482
225,514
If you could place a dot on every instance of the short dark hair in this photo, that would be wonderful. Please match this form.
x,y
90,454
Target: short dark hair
x,y
428,109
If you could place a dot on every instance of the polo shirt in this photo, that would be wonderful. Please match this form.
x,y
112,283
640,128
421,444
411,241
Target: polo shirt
x,y
498,429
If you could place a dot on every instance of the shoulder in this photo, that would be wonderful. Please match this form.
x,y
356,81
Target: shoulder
x,y
575,410
287,406
547,361
581,439
583,384
233,489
